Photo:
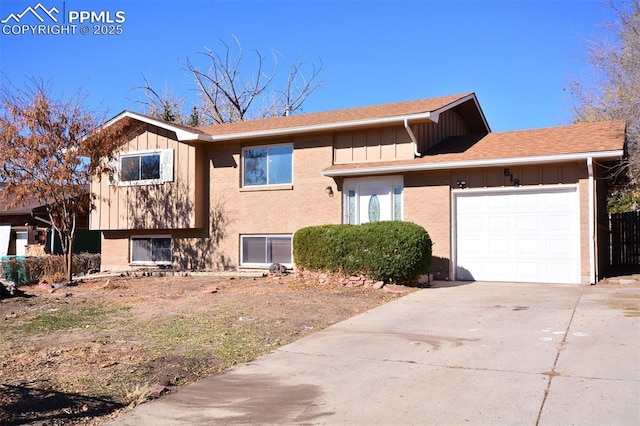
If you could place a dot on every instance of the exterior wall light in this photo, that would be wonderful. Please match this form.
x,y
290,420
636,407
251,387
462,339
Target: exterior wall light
x,y
329,191
461,184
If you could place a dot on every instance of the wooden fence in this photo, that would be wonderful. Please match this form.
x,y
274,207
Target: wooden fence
x,y
624,231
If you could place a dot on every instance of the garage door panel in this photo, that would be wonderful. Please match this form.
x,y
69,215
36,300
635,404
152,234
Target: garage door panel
x,y
559,222
474,248
527,202
528,270
560,249
526,223
526,247
498,223
475,204
498,247
561,270
472,224
496,204
498,269
518,236
559,203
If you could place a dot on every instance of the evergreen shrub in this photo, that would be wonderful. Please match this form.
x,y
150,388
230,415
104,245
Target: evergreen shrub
x,y
390,251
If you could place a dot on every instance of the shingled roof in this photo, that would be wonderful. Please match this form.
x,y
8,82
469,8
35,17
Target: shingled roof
x,y
347,118
482,148
578,141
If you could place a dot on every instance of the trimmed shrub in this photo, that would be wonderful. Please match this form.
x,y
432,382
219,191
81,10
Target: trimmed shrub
x,y
26,270
388,251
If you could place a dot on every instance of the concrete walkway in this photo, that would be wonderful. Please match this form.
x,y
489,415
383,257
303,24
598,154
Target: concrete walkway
x,y
455,354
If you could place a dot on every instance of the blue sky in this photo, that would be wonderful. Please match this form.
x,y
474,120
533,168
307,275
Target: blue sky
x,y
517,56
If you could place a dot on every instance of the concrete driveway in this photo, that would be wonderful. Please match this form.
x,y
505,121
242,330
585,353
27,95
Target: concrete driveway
x,y
456,354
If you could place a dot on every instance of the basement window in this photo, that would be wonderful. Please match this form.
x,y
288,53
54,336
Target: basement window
x,y
263,250
154,250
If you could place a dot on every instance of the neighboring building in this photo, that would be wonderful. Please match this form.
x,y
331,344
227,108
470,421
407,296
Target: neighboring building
x,y
525,206
25,230
22,226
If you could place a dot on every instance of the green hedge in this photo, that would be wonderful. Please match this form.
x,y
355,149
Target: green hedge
x,y
388,251
26,270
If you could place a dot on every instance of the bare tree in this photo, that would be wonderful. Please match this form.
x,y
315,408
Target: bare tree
x,y
49,150
613,92
163,105
232,87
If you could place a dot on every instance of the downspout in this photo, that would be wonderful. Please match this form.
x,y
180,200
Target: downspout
x,y
416,153
434,117
592,231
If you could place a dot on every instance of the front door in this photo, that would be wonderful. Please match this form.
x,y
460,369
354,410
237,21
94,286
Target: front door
x,y
375,202
372,200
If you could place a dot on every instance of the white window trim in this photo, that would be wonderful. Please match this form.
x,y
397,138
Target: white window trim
x,y
262,265
166,167
148,263
354,184
287,185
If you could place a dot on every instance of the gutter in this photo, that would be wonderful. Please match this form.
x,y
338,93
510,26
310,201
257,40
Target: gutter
x,y
187,134
497,162
592,231
41,219
321,127
352,124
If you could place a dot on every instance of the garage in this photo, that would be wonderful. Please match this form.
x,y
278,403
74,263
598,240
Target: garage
x,y
517,234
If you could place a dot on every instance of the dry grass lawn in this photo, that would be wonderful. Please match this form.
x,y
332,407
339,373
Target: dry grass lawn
x,y
86,353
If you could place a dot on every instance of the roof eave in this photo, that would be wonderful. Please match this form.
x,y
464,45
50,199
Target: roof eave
x,y
181,134
471,96
497,162
353,124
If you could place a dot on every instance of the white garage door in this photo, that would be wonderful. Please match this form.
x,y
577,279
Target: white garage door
x,y
519,235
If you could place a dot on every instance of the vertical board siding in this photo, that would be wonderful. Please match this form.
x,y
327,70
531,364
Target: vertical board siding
x,y
430,134
567,173
384,144
122,208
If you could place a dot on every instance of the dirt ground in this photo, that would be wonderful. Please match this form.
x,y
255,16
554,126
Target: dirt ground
x,y
83,354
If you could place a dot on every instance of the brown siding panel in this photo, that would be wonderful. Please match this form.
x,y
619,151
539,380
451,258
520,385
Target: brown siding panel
x,y
430,134
150,206
388,143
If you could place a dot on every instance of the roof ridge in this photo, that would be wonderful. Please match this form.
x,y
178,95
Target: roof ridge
x,y
562,126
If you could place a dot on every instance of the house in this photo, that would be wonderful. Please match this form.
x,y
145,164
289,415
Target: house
x,y
21,226
25,229
526,206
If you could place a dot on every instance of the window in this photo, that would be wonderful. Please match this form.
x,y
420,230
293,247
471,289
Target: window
x,y
351,194
151,250
397,203
145,167
268,165
265,249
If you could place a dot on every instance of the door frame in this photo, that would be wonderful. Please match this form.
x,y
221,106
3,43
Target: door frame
x,y
394,181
